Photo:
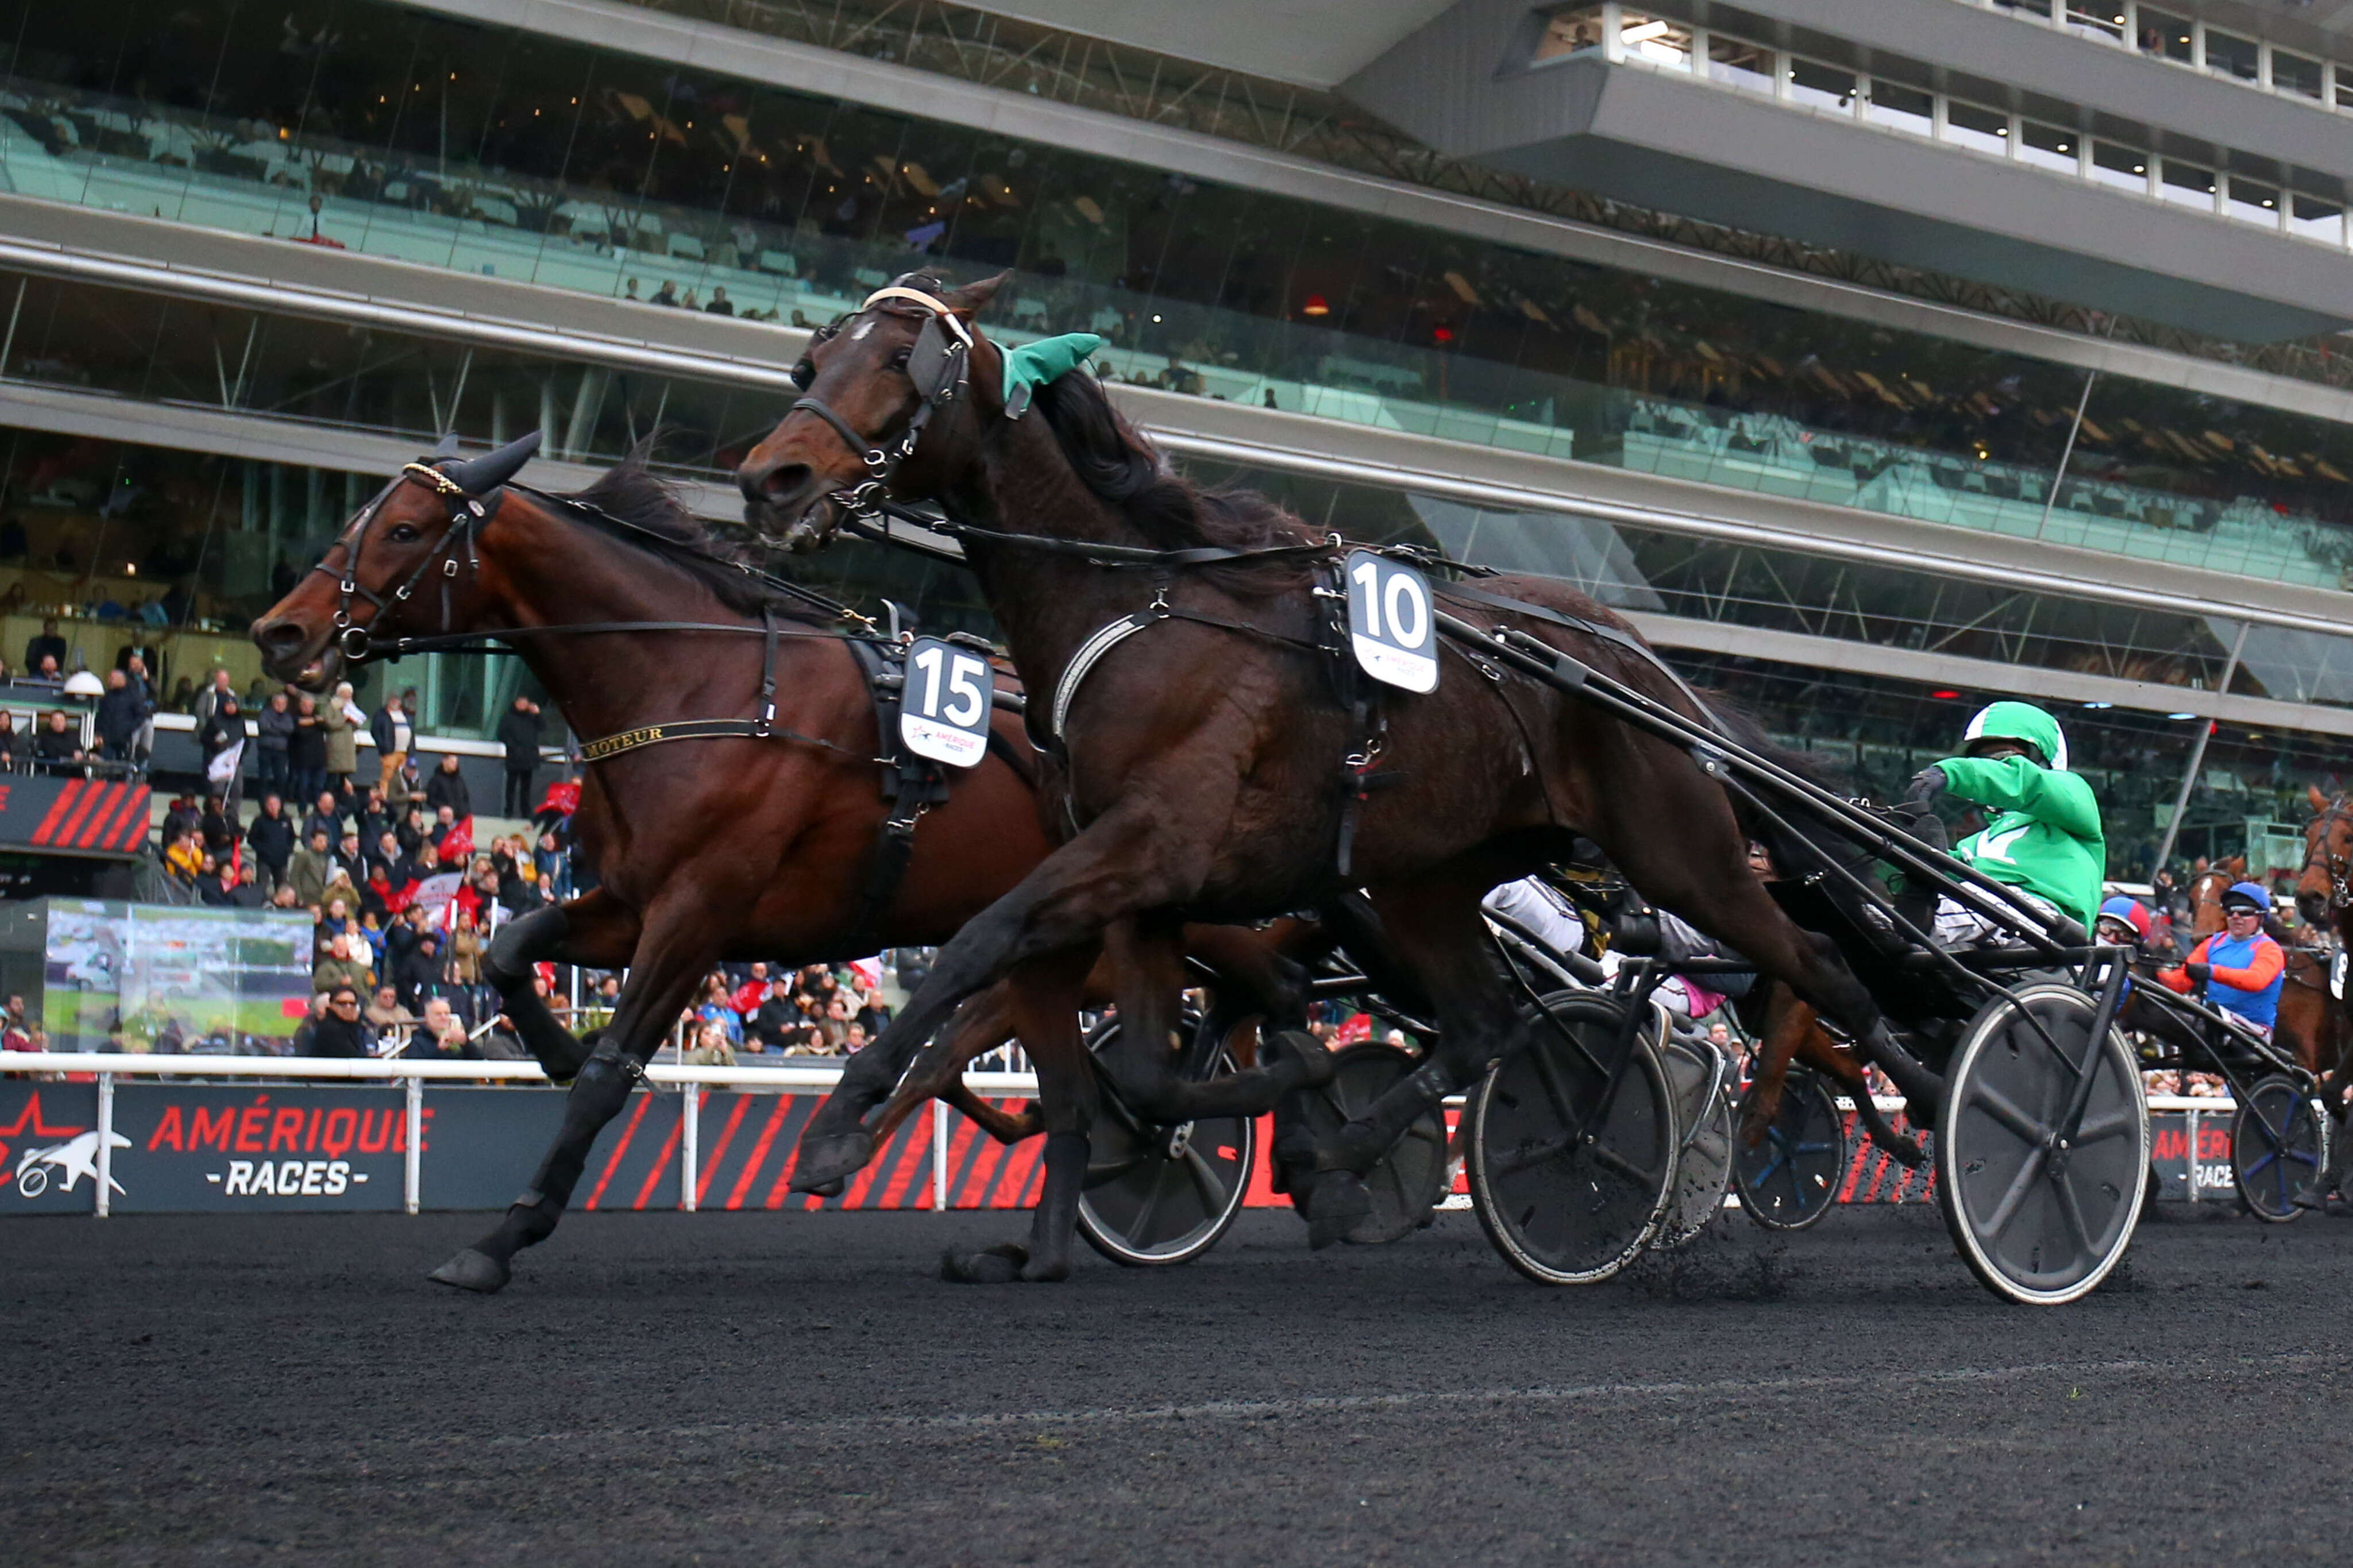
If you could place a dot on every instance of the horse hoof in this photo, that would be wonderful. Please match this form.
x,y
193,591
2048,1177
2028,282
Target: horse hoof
x,y
1338,1205
1300,1053
832,1189
999,1265
1908,1152
1039,1271
826,1162
475,1271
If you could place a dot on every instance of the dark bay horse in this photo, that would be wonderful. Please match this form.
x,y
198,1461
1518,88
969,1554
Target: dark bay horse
x,y
732,846
1212,775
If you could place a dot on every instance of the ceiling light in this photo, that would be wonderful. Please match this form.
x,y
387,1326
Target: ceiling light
x,y
1643,33
2099,704
2181,715
1316,306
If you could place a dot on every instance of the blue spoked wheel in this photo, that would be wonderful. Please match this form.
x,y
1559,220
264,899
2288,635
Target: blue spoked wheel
x,y
1788,1180
2279,1146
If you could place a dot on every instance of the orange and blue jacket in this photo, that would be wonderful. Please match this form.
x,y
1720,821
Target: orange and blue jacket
x,y
2247,975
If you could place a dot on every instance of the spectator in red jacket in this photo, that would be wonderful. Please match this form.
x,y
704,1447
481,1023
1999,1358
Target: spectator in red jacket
x,y
752,992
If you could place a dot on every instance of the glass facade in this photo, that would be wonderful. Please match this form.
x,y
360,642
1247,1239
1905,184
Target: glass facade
x,y
358,124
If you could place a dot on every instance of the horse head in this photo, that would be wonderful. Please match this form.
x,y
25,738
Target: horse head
x,y
2325,887
893,396
419,534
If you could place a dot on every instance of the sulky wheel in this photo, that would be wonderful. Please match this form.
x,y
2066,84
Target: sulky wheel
x,y
1157,1196
1411,1177
1703,1167
1571,1189
2041,1183
2279,1146
1790,1178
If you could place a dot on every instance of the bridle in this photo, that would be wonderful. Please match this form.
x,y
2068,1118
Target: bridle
x,y
940,367
2338,866
467,514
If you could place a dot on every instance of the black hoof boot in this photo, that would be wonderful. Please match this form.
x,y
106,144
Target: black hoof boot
x,y
827,1161
1337,1205
475,1271
999,1265
1296,1052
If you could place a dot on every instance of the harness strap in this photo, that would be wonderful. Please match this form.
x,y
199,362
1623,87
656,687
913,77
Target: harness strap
x,y
767,717
866,452
611,746
369,650
1607,634
1090,653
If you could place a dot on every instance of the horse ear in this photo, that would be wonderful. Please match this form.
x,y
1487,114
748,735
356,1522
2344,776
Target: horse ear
x,y
2319,802
2237,864
973,299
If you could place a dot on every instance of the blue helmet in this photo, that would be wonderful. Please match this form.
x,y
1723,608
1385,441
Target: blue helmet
x,y
2248,896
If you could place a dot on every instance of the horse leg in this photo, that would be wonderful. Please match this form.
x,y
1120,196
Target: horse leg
x,y
1434,929
1045,996
1148,960
1823,1054
595,922
1788,1021
674,955
983,1023
1701,874
1113,868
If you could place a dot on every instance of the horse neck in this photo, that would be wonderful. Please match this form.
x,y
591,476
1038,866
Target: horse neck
x,y
546,572
1046,604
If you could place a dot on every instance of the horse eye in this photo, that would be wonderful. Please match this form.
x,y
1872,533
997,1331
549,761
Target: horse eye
x,y
898,360
402,533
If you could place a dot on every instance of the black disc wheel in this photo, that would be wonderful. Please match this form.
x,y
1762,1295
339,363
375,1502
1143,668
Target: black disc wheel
x,y
2040,1171
1698,1074
1411,1177
1790,1178
1569,1180
2279,1146
1158,1196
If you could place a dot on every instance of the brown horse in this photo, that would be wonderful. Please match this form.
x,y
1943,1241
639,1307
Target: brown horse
x,y
1212,771
733,846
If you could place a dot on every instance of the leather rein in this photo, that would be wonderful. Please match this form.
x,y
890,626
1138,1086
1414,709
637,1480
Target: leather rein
x,y
361,643
942,376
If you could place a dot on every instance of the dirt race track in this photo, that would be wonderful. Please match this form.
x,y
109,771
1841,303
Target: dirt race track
x,y
740,1388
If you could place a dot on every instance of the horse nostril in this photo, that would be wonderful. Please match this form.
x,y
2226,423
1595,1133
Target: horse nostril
x,y
784,480
281,636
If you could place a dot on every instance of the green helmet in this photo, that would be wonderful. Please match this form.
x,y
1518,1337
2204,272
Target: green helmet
x,y
2022,721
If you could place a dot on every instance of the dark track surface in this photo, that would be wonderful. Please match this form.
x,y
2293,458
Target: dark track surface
x,y
735,1388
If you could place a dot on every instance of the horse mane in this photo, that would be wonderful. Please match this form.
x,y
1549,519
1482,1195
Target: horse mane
x,y
633,506
1121,468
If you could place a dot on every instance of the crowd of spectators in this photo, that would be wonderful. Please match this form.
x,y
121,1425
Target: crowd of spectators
x,y
752,1010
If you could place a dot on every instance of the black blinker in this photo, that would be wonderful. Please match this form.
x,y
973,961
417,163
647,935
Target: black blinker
x,y
932,364
804,372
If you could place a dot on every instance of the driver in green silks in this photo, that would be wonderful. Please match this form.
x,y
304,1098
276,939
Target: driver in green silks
x,y
2042,832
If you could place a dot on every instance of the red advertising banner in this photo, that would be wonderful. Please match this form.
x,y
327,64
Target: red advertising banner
x,y
73,817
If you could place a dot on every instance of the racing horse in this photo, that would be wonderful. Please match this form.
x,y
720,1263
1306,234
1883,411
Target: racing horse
x,y
733,806
1213,768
